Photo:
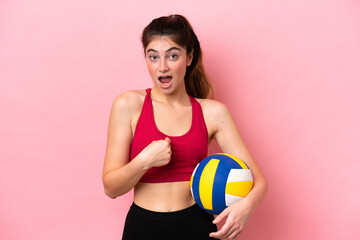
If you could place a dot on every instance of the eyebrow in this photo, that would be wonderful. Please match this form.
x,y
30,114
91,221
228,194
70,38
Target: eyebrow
x,y
170,49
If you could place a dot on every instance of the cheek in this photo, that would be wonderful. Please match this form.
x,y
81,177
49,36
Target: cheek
x,y
180,69
151,68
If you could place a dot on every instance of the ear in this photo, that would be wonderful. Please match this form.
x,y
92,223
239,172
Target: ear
x,y
189,58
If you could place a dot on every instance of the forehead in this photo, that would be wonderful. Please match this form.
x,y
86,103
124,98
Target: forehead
x,y
162,44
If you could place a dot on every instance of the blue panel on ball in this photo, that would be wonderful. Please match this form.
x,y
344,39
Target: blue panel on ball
x,y
216,211
228,161
220,180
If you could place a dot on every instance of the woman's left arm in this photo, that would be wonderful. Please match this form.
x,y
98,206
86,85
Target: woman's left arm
x,y
227,135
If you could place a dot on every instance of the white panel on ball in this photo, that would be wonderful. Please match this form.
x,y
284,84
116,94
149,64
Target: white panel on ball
x,y
240,175
230,199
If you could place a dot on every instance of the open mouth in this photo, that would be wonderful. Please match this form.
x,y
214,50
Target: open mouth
x,y
165,79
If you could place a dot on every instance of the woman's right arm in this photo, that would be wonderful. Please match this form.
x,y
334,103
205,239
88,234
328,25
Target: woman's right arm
x,y
120,175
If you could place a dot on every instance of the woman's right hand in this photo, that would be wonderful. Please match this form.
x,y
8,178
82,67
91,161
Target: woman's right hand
x,y
156,154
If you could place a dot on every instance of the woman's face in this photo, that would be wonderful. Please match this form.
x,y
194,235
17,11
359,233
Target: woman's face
x,y
167,62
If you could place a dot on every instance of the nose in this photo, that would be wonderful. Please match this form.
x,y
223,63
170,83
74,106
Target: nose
x,y
163,66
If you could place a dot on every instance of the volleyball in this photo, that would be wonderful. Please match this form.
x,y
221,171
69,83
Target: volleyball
x,y
220,180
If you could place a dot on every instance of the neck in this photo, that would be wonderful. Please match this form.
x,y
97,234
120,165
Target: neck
x,y
179,96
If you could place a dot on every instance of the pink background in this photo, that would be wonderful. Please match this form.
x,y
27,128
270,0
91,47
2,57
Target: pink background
x,y
288,70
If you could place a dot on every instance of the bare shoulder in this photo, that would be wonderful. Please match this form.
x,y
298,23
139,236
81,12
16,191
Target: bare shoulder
x,y
215,114
212,108
129,101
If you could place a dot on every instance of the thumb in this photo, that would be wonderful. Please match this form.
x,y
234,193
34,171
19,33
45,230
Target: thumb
x,y
221,216
167,140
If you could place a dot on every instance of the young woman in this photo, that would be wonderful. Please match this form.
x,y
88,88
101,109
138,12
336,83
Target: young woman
x,y
157,136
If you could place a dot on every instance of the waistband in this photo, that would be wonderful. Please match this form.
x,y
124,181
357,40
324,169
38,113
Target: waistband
x,y
165,215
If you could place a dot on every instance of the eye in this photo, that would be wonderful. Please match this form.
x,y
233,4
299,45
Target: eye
x,y
153,57
173,56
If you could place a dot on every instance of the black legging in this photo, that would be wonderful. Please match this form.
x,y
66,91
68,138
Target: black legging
x,y
190,223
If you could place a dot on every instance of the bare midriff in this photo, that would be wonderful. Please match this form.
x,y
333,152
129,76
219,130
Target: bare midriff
x,y
163,197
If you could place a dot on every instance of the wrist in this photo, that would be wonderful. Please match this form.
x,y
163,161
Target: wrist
x,y
142,162
248,204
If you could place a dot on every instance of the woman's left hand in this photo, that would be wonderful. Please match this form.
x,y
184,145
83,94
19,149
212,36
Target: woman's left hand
x,y
236,216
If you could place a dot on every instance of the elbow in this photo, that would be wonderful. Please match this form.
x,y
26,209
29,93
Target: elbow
x,y
114,190
113,193
110,194
109,191
262,183
265,185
